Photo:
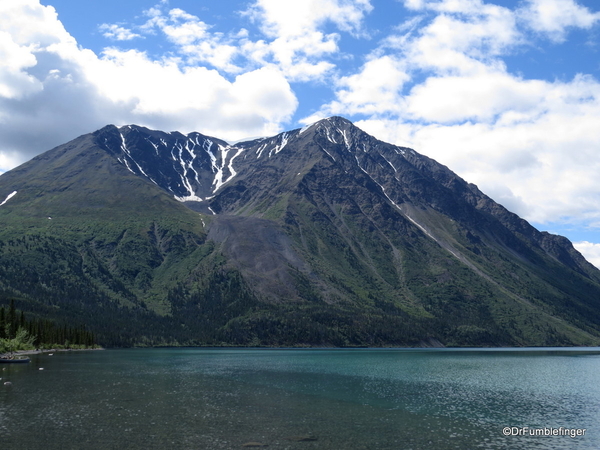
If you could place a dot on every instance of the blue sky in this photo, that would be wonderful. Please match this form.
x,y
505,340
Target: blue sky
x,y
505,93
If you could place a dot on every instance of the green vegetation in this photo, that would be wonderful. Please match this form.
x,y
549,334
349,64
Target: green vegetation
x,y
159,281
18,333
306,249
21,341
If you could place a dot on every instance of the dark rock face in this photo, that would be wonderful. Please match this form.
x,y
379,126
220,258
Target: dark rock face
x,y
182,165
317,236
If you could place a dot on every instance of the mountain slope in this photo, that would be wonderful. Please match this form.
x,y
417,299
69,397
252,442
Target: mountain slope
x,y
319,236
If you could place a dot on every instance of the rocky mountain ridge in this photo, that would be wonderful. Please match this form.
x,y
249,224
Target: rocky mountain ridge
x,y
331,236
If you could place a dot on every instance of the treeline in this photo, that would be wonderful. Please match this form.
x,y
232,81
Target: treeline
x,y
42,333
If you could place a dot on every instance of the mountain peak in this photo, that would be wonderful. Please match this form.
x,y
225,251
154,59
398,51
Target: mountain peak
x,y
323,236
337,121
328,122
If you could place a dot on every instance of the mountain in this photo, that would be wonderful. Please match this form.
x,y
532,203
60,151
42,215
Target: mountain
x,y
318,236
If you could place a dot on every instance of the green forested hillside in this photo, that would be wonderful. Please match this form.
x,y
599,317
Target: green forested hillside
x,y
20,333
324,237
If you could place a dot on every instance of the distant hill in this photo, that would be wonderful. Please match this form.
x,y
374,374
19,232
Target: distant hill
x,y
317,236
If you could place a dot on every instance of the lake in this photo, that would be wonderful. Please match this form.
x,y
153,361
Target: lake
x,y
195,398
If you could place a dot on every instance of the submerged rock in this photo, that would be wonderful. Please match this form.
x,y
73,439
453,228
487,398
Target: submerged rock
x,y
303,438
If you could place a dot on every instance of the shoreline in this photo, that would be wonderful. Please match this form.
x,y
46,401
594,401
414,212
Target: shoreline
x,y
52,350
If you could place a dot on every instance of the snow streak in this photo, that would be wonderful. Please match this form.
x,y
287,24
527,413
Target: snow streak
x,y
225,151
387,161
281,145
11,195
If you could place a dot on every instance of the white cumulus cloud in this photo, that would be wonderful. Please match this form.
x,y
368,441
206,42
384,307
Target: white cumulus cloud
x,y
52,90
590,251
296,42
444,89
555,17
292,37
117,32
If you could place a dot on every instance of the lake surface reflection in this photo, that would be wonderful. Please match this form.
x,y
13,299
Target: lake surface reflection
x,y
301,399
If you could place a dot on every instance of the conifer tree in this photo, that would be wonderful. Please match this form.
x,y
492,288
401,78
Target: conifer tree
x,y
2,323
11,320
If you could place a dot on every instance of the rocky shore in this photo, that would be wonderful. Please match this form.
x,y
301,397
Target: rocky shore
x,y
52,350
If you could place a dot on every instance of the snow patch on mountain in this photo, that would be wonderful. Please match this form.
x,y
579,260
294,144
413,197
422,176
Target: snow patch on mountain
x,y
328,154
346,139
330,136
230,166
387,161
124,161
260,150
207,145
195,167
225,151
189,198
306,128
186,167
278,147
11,195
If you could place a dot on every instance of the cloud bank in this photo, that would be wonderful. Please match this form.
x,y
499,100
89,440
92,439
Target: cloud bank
x,y
443,88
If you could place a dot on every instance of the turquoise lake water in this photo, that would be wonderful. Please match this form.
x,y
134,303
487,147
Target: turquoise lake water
x,y
302,399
